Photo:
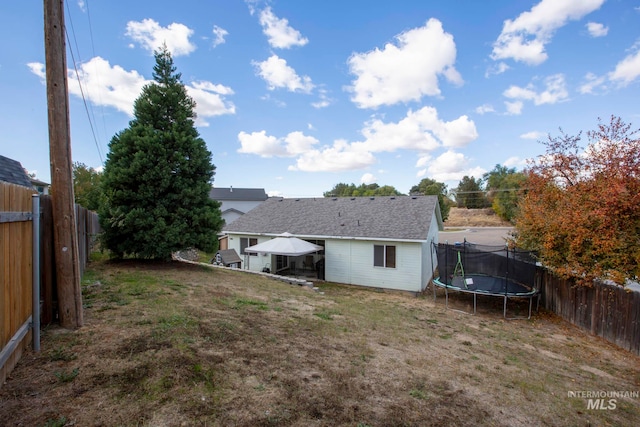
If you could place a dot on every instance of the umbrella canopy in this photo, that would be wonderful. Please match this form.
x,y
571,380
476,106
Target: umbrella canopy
x,y
284,244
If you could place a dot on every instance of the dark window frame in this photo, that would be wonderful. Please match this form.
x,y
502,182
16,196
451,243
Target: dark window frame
x,y
384,256
245,242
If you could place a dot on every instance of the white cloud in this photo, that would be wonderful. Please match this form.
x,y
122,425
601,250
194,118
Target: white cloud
x,y
423,160
524,38
555,91
496,69
278,31
341,156
596,29
592,82
102,83
299,143
324,100
219,35
278,74
514,108
420,131
263,145
82,5
112,86
210,100
627,70
452,166
405,71
515,162
150,36
532,135
368,178
485,108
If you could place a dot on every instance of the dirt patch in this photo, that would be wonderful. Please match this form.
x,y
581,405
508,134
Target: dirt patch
x,y
462,217
179,345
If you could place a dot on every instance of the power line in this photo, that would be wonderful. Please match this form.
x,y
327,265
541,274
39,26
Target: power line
x,y
489,191
75,67
93,52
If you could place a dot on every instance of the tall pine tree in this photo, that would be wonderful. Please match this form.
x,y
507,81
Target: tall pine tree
x,y
158,175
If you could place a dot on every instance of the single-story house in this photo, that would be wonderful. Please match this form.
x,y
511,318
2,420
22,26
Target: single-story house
x,y
383,242
235,202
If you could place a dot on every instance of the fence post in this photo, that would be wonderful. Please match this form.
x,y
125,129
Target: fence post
x,y
35,309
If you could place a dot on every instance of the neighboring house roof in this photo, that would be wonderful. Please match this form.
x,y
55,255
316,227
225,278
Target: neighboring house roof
x,y
13,172
36,182
399,218
245,194
232,210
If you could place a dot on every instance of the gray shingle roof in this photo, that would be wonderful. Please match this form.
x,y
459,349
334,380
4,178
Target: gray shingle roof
x,y
400,217
247,194
229,256
13,172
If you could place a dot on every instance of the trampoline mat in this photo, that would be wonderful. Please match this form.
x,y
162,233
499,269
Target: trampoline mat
x,y
489,284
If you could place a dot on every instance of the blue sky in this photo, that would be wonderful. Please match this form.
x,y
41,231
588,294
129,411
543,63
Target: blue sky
x,y
296,96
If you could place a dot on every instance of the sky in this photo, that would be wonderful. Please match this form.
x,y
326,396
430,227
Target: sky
x,y
296,96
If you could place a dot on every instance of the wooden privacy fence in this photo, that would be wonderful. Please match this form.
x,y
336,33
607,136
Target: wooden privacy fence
x,y
608,311
16,273
87,230
16,262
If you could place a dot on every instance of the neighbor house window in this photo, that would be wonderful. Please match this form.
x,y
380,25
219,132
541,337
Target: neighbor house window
x,y
246,242
384,256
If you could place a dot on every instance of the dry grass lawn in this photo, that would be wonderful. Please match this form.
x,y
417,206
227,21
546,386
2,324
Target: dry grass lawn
x,y
186,345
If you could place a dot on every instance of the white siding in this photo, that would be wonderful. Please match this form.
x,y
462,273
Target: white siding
x,y
429,256
351,262
256,262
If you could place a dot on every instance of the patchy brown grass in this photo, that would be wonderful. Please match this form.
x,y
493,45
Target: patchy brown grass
x,y
180,345
462,217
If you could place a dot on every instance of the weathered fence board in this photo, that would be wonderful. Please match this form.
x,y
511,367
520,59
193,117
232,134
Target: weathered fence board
x,y
87,229
608,311
16,260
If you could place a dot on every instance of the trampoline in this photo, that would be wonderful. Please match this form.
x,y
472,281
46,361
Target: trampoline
x,y
495,271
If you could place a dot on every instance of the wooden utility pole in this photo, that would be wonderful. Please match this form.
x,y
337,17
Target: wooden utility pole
x,y
64,216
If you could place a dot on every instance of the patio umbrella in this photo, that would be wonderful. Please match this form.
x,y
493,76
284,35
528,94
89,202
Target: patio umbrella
x,y
284,244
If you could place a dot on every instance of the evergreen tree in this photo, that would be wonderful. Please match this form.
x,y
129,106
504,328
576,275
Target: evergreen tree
x,y
469,193
503,186
430,187
158,175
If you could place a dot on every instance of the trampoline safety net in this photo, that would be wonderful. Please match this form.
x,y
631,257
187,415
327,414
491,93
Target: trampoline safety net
x,y
517,265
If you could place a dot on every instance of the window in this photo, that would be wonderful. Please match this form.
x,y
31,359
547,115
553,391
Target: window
x,y
384,256
245,243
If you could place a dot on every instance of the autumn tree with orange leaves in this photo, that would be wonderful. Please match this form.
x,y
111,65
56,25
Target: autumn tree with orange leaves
x,y
582,209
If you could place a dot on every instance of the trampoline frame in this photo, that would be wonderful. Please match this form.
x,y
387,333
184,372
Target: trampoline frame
x,y
534,292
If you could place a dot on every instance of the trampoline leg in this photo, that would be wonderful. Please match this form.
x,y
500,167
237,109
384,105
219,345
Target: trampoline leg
x,y
530,305
474,303
505,307
446,298
433,285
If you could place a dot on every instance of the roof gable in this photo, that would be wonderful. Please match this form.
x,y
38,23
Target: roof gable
x,y
245,194
400,217
13,172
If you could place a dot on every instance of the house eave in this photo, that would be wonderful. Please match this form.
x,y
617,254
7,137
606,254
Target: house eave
x,y
320,237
